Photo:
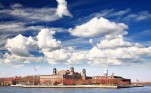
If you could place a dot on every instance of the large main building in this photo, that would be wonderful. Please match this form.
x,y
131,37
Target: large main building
x,y
63,77
70,77
67,77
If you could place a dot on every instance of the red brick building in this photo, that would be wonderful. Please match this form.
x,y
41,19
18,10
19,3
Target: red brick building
x,y
110,80
63,77
70,77
6,81
67,77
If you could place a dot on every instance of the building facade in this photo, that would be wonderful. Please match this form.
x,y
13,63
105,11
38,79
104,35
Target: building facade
x,y
70,77
110,80
63,77
66,77
6,81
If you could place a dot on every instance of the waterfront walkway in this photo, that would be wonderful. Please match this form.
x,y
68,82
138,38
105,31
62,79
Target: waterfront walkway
x,y
77,86
71,86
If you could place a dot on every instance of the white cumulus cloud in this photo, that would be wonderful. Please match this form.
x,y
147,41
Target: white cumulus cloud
x,y
13,59
62,9
114,42
57,55
111,50
77,57
99,26
46,42
20,45
117,56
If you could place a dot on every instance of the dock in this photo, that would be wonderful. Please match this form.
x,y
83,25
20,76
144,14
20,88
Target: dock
x,y
71,86
18,85
78,86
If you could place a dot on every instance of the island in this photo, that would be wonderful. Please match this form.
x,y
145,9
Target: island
x,y
69,79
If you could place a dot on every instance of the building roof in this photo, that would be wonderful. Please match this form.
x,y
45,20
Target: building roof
x,y
63,72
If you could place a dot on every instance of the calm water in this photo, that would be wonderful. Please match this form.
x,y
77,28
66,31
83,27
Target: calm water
x,y
146,89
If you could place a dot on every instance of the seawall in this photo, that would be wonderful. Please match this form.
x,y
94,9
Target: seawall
x,y
73,86
78,86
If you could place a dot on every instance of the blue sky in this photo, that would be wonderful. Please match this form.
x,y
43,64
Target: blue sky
x,y
91,34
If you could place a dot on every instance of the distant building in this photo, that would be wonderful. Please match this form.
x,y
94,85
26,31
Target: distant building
x,y
27,80
63,77
6,81
66,77
110,80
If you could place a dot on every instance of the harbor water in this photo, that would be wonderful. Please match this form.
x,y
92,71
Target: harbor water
x,y
8,89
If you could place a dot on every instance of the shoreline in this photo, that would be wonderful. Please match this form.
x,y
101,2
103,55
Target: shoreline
x,y
73,86
78,86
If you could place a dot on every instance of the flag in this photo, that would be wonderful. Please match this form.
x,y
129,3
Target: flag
x,y
35,69
137,80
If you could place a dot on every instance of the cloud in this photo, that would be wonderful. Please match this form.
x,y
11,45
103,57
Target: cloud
x,y
3,39
98,26
21,46
107,13
57,56
16,59
113,42
16,5
77,57
22,27
110,13
52,49
118,56
98,57
23,16
45,14
46,42
62,9
11,29
111,50
114,50
121,15
11,26
143,15
121,12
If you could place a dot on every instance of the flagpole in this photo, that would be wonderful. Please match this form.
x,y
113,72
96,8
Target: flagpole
x,y
35,69
33,76
33,80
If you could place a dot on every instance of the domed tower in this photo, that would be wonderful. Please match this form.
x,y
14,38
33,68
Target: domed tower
x,y
72,70
54,71
83,74
105,72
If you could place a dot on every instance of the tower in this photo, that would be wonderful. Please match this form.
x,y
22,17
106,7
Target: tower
x,y
112,74
83,74
105,72
72,70
54,71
